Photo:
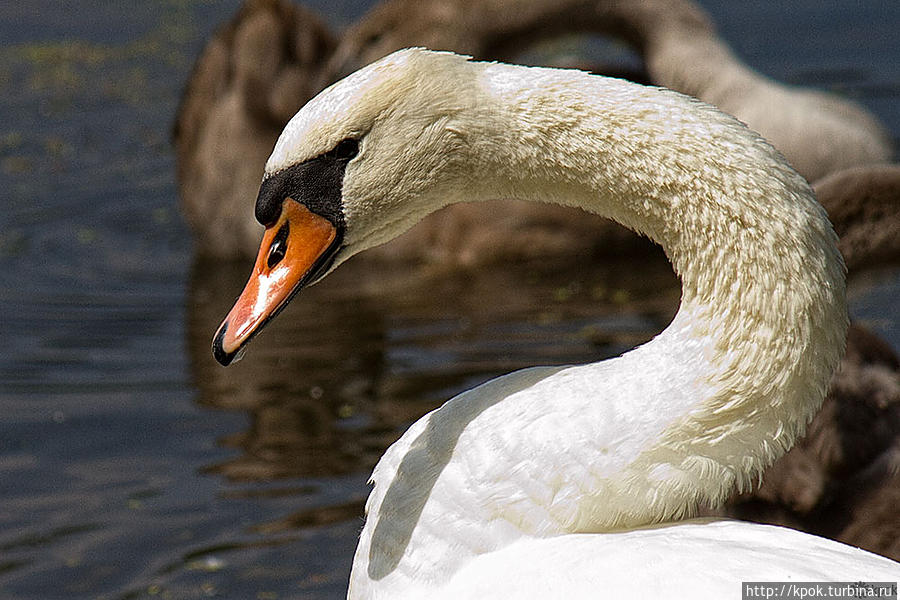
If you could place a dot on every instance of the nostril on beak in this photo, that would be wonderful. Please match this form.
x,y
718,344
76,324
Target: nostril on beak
x,y
279,245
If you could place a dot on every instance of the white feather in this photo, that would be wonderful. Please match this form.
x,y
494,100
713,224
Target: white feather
x,y
543,483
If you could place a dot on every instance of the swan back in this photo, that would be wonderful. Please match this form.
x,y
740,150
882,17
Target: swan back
x,y
691,559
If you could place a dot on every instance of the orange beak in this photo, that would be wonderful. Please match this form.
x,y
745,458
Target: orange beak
x,y
294,250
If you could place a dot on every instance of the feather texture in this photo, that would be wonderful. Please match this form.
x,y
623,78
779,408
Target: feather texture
x,y
564,471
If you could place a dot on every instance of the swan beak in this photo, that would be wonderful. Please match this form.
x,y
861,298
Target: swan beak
x,y
295,250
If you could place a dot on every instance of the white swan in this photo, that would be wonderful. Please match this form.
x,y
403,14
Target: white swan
x,y
553,481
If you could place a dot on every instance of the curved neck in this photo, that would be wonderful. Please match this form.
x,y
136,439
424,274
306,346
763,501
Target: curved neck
x,y
762,279
683,419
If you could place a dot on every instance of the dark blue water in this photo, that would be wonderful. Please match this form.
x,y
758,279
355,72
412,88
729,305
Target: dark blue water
x,y
132,466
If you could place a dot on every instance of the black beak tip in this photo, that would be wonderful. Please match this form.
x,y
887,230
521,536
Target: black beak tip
x,y
219,353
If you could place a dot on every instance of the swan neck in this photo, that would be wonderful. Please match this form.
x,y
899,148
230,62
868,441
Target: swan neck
x,y
763,314
680,421
712,193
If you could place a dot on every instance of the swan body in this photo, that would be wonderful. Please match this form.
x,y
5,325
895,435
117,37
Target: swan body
x,y
692,559
565,468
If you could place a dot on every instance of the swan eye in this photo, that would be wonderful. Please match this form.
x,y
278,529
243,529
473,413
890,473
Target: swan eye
x,y
346,149
279,246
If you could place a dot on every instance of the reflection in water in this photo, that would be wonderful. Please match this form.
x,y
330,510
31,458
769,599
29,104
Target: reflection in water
x,y
354,360
302,384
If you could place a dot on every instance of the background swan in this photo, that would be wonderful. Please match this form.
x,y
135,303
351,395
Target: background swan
x,y
273,56
537,465
818,132
249,80
864,204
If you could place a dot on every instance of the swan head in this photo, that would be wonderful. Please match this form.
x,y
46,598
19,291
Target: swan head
x,y
359,164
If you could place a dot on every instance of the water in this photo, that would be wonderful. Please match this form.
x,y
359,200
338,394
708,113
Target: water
x,y
131,465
